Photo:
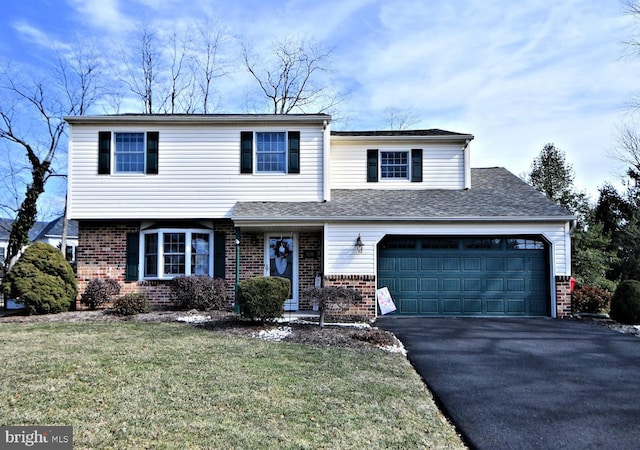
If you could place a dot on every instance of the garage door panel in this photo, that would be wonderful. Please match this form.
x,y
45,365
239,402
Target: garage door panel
x,y
472,305
516,285
451,285
429,264
472,264
495,284
452,306
407,264
408,305
409,285
494,264
516,306
451,264
495,306
436,279
429,306
429,285
472,285
515,264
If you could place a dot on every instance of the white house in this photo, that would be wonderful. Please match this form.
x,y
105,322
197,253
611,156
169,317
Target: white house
x,y
237,196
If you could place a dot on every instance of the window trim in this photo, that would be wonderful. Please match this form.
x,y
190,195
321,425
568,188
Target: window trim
x,y
114,170
256,171
188,232
392,179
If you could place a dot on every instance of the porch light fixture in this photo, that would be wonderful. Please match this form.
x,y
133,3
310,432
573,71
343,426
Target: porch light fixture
x,y
359,245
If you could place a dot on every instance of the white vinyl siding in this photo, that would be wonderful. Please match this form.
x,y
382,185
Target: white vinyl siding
x,y
341,258
199,174
442,166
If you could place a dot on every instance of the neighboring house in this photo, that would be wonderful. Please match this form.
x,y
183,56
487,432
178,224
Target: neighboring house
x,y
48,232
237,196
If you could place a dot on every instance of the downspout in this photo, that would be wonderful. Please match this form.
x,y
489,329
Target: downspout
x,y
467,164
236,304
326,167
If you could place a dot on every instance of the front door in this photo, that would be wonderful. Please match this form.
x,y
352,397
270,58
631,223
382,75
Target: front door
x,y
281,260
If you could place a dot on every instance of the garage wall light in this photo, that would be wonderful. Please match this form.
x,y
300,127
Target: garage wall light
x,y
359,245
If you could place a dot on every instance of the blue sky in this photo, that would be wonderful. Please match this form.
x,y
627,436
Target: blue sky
x,y
515,74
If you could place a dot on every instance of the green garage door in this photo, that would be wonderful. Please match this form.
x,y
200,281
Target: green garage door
x,y
465,276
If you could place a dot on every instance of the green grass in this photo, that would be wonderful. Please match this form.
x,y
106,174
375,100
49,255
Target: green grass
x,y
141,385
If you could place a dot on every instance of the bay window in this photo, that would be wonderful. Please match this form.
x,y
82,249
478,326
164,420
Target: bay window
x,y
173,252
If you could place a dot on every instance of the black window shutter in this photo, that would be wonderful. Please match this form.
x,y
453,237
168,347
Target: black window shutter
x,y
104,152
416,165
152,152
294,152
372,166
219,256
246,152
133,256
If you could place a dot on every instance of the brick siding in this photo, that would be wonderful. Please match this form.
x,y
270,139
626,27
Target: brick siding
x,y
563,296
366,284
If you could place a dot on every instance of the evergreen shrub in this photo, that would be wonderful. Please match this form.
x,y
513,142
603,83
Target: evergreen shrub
x,y
263,298
42,279
625,303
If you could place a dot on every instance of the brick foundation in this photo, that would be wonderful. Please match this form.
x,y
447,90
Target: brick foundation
x,y
563,296
366,284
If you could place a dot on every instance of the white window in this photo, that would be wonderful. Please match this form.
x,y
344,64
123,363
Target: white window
x,y
173,252
271,152
2,253
394,165
129,152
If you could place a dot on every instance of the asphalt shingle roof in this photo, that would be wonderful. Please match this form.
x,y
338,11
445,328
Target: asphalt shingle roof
x,y
495,194
428,132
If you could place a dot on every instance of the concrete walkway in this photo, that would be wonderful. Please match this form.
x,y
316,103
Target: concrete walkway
x,y
529,383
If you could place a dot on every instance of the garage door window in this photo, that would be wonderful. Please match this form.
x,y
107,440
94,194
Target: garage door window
x,y
525,244
482,244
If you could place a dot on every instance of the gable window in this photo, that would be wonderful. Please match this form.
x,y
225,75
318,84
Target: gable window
x,y
394,165
173,252
273,151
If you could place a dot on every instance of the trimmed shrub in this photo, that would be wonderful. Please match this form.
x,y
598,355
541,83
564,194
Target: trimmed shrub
x,y
625,303
130,304
198,292
99,291
263,298
332,299
42,279
590,299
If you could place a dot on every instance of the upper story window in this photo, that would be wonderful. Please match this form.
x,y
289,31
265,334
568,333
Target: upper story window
x,y
394,165
2,253
271,152
129,153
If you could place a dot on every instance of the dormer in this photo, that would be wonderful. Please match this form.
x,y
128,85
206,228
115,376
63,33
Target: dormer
x,y
400,159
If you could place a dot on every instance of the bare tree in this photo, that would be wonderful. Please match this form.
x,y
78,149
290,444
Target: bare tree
x,y
292,78
142,76
32,119
399,119
207,66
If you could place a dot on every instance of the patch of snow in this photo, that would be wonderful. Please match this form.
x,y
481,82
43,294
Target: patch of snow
x,y
193,318
398,348
274,334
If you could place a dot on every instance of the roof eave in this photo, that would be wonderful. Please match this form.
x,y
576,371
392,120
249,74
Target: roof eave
x,y
320,219
448,138
198,119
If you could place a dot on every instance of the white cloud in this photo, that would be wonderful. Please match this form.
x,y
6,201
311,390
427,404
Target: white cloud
x,y
102,15
37,36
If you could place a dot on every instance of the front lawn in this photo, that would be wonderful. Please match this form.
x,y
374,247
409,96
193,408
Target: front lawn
x,y
154,385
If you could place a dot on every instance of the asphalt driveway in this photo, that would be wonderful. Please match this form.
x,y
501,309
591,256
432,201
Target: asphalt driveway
x,y
522,383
